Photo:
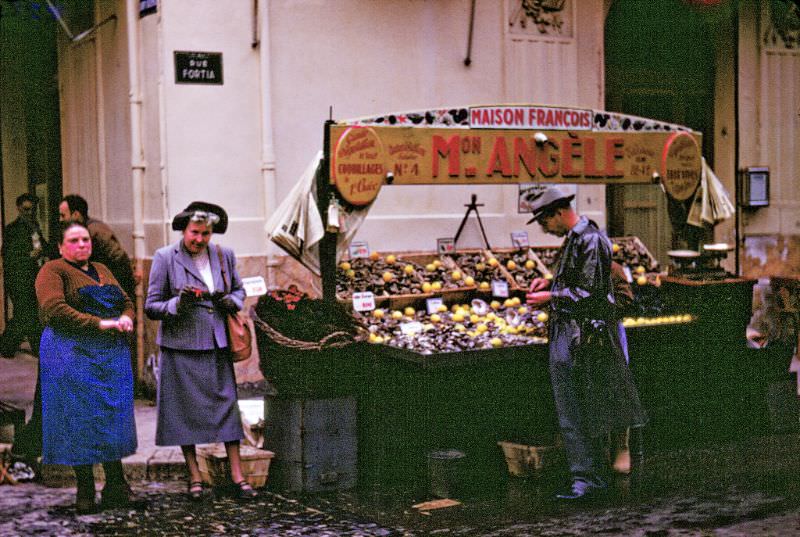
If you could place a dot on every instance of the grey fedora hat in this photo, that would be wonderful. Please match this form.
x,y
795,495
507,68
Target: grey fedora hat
x,y
541,200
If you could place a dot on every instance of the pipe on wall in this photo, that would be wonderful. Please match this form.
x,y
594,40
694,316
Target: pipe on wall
x,y
137,169
268,175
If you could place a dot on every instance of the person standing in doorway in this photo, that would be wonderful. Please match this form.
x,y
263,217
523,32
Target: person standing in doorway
x,y
592,385
106,249
24,252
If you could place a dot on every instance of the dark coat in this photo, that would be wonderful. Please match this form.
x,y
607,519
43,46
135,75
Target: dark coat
x,y
584,334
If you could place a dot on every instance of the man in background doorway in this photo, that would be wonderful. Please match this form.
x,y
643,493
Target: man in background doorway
x,y
24,252
106,249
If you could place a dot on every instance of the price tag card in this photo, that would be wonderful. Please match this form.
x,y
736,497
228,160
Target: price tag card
x,y
446,245
254,286
500,288
411,328
363,301
359,249
433,304
519,239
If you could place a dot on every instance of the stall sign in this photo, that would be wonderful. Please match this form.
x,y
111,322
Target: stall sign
x,y
519,239
416,155
432,304
364,301
446,245
254,286
679,173
358,165
358,249
500,288
530,117
198,67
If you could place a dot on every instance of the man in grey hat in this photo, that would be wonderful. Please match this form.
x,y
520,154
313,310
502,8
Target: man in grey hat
x,y
592,386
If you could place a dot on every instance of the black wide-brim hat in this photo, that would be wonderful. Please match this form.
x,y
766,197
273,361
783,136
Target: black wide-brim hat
x,y
182,219
541,200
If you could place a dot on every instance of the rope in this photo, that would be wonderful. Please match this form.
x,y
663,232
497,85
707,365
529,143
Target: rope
x,y
333,340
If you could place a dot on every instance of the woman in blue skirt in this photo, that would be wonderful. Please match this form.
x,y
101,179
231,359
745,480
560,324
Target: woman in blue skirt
x,y
193,287
87,382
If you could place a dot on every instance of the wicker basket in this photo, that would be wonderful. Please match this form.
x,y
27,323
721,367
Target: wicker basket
x,y
529,461
304,367
214,467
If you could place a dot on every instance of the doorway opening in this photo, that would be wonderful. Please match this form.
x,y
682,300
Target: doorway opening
x,y
659,63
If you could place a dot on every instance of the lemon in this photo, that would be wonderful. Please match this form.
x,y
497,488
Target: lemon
x,y
494,305
378,339
542,317
378,313
397,315
437,263
388,276
456,275
350,274
484,286
442,308
642,280
436,286
374,256
640,270
469,280
481,328
390,259
460,327
458,317
522,310
491,316
435,318
493,262
430,267
511,265
409,311
496,342
474,318
548,276
426,287
408,269
529,264
615,248
345,266
515,301
508,303
480,267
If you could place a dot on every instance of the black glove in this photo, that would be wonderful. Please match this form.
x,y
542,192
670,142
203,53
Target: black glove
x,y
188,297
224,303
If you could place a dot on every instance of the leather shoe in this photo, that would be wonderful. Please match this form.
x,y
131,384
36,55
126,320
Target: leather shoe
x,y
119,496
582,489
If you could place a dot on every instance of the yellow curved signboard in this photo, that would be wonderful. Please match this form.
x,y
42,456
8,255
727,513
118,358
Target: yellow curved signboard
x,y
485,145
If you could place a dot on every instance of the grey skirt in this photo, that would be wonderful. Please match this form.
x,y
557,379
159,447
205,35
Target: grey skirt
x,y
197,401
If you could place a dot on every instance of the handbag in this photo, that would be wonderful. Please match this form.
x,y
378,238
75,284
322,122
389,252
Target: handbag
x,y
240,339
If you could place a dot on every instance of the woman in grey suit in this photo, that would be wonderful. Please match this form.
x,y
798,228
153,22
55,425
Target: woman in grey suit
x,y
197,402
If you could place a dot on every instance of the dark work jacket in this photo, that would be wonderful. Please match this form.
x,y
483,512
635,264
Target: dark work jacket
x,y
584,333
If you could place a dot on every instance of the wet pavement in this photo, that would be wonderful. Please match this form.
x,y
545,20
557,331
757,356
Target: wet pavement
x,y
743,488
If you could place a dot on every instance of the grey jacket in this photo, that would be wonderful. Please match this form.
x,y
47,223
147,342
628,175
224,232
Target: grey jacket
x,y
202,327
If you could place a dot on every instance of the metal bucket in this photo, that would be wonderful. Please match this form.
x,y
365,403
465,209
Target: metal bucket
x,y
445,471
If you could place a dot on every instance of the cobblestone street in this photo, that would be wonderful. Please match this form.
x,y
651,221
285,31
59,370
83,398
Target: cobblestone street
x,y
744,488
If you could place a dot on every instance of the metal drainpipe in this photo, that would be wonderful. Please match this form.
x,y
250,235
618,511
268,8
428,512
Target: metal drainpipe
x,y
267,148
137,169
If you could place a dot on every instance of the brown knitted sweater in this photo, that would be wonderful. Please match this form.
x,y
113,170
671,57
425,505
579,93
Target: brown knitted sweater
x,y
57,287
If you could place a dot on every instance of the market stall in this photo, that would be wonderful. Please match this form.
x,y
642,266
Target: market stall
x,y
451,356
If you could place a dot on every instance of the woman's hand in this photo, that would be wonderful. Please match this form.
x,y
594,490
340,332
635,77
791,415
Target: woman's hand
x,y
188,297
123,324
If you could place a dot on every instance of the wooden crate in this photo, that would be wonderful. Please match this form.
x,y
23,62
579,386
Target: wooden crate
x,y
539,269
214,467
529,461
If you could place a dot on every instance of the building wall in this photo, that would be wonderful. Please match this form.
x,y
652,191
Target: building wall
x,y
769,135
